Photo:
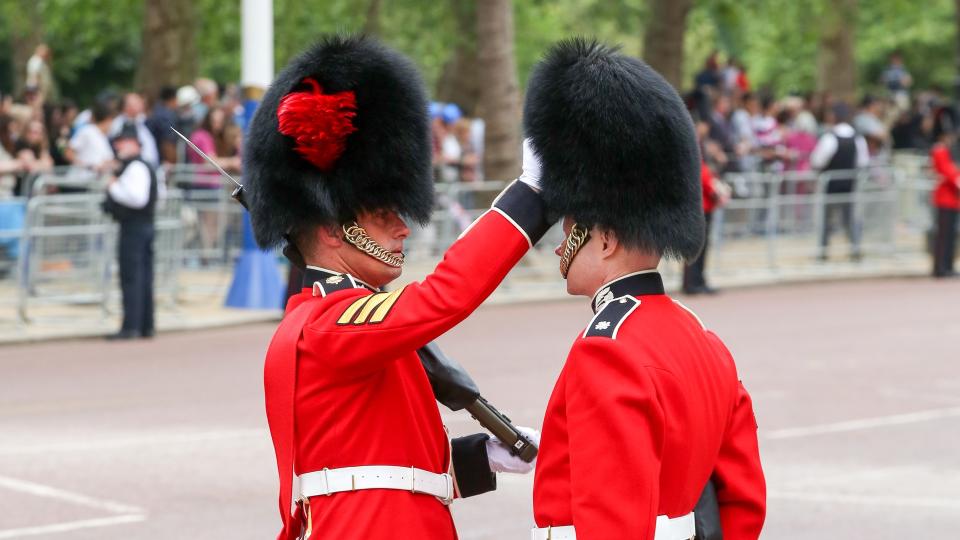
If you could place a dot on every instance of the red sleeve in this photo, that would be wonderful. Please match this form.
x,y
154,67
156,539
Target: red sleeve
x,y
709,188
738,476
610,398
944,165
706,177
361,333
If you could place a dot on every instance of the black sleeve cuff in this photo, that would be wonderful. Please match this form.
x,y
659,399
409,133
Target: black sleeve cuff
x,y
525,208
707,514
470,465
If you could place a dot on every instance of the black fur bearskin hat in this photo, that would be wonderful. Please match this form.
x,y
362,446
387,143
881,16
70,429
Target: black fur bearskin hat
x,y
343,128
617,147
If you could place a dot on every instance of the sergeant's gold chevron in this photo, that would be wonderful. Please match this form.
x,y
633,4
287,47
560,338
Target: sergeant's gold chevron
x,y
379,304
352,310
385,307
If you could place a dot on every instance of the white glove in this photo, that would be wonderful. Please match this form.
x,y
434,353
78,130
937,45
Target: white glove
x,y
531,166
500,458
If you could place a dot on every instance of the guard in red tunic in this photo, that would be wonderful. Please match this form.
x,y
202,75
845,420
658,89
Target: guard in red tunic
x,y
649,406
338,154
946,196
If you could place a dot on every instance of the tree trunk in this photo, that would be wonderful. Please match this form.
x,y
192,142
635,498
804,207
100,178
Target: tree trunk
x,y
26,33
956,60
663,38
372,24
836,68
499,98
169,48
458,82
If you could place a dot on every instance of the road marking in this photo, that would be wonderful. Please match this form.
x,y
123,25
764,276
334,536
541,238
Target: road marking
x,y
868,500
71,526
812,478
40,490
123,442
865,423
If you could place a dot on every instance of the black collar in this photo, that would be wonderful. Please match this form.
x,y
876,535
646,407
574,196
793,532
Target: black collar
x,y
635,284
330,281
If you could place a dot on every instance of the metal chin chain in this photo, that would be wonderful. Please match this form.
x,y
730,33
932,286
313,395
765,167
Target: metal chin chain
x,y
575,240
356,235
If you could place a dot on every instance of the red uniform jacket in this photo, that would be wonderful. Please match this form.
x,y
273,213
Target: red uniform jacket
x,y
947,193
710,194
362,396
648,407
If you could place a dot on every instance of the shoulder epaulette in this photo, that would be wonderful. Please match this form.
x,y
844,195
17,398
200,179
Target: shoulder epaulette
x,y
608,320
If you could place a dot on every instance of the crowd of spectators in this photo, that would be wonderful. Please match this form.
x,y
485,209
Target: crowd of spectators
x,y
457,144
40,130
756,130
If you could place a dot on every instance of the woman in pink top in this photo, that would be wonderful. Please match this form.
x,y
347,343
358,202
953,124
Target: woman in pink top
x,y
216,139
212,138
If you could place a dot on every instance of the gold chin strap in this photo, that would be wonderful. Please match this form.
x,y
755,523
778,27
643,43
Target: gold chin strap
x,y
575,240
356,235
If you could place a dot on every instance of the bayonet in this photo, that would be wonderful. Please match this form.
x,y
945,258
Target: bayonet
x,y
237,193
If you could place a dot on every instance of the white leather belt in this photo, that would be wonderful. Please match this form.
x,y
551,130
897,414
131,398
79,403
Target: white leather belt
x,y
330,481
678,528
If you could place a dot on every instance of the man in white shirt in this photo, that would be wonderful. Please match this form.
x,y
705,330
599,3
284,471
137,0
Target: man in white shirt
x,y
40,76
131,198
839,153
133,112
89,147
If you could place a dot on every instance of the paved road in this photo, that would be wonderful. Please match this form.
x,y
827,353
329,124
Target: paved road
x,y
856,386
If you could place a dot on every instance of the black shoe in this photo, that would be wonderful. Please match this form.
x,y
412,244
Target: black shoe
x,y
123,335
148,334
701,289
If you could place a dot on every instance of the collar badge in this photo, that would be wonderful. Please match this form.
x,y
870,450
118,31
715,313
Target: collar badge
x,y
605,296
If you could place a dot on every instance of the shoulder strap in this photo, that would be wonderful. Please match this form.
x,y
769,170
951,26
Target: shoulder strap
x,y
607,321
280,383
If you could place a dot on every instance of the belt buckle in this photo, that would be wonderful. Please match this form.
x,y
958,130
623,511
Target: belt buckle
x,y
447,500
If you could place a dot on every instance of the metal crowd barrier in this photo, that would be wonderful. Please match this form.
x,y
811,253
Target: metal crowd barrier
x,y
212,220
67,254
59,248
774,221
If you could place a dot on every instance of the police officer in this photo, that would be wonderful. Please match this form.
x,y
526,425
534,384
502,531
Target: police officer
x,y
131,199
337,159
648,407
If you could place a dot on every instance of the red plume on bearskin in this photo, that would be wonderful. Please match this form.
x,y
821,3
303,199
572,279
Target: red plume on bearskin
x,y
318,122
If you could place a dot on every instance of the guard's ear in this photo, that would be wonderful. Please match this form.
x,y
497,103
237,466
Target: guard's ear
x,y
608,242
328,236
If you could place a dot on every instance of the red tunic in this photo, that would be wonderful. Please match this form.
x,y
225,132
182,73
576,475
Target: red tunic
x,y
710,194
362,396
947,193
647,408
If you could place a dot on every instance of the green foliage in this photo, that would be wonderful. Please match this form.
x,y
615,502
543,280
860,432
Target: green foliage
x,y
778,39
97,43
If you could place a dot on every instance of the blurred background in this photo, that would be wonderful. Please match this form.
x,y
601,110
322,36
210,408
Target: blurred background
x,y
825,253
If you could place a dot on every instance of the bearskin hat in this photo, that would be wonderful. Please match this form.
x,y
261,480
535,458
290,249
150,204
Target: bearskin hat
x,y
617,147
343,128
